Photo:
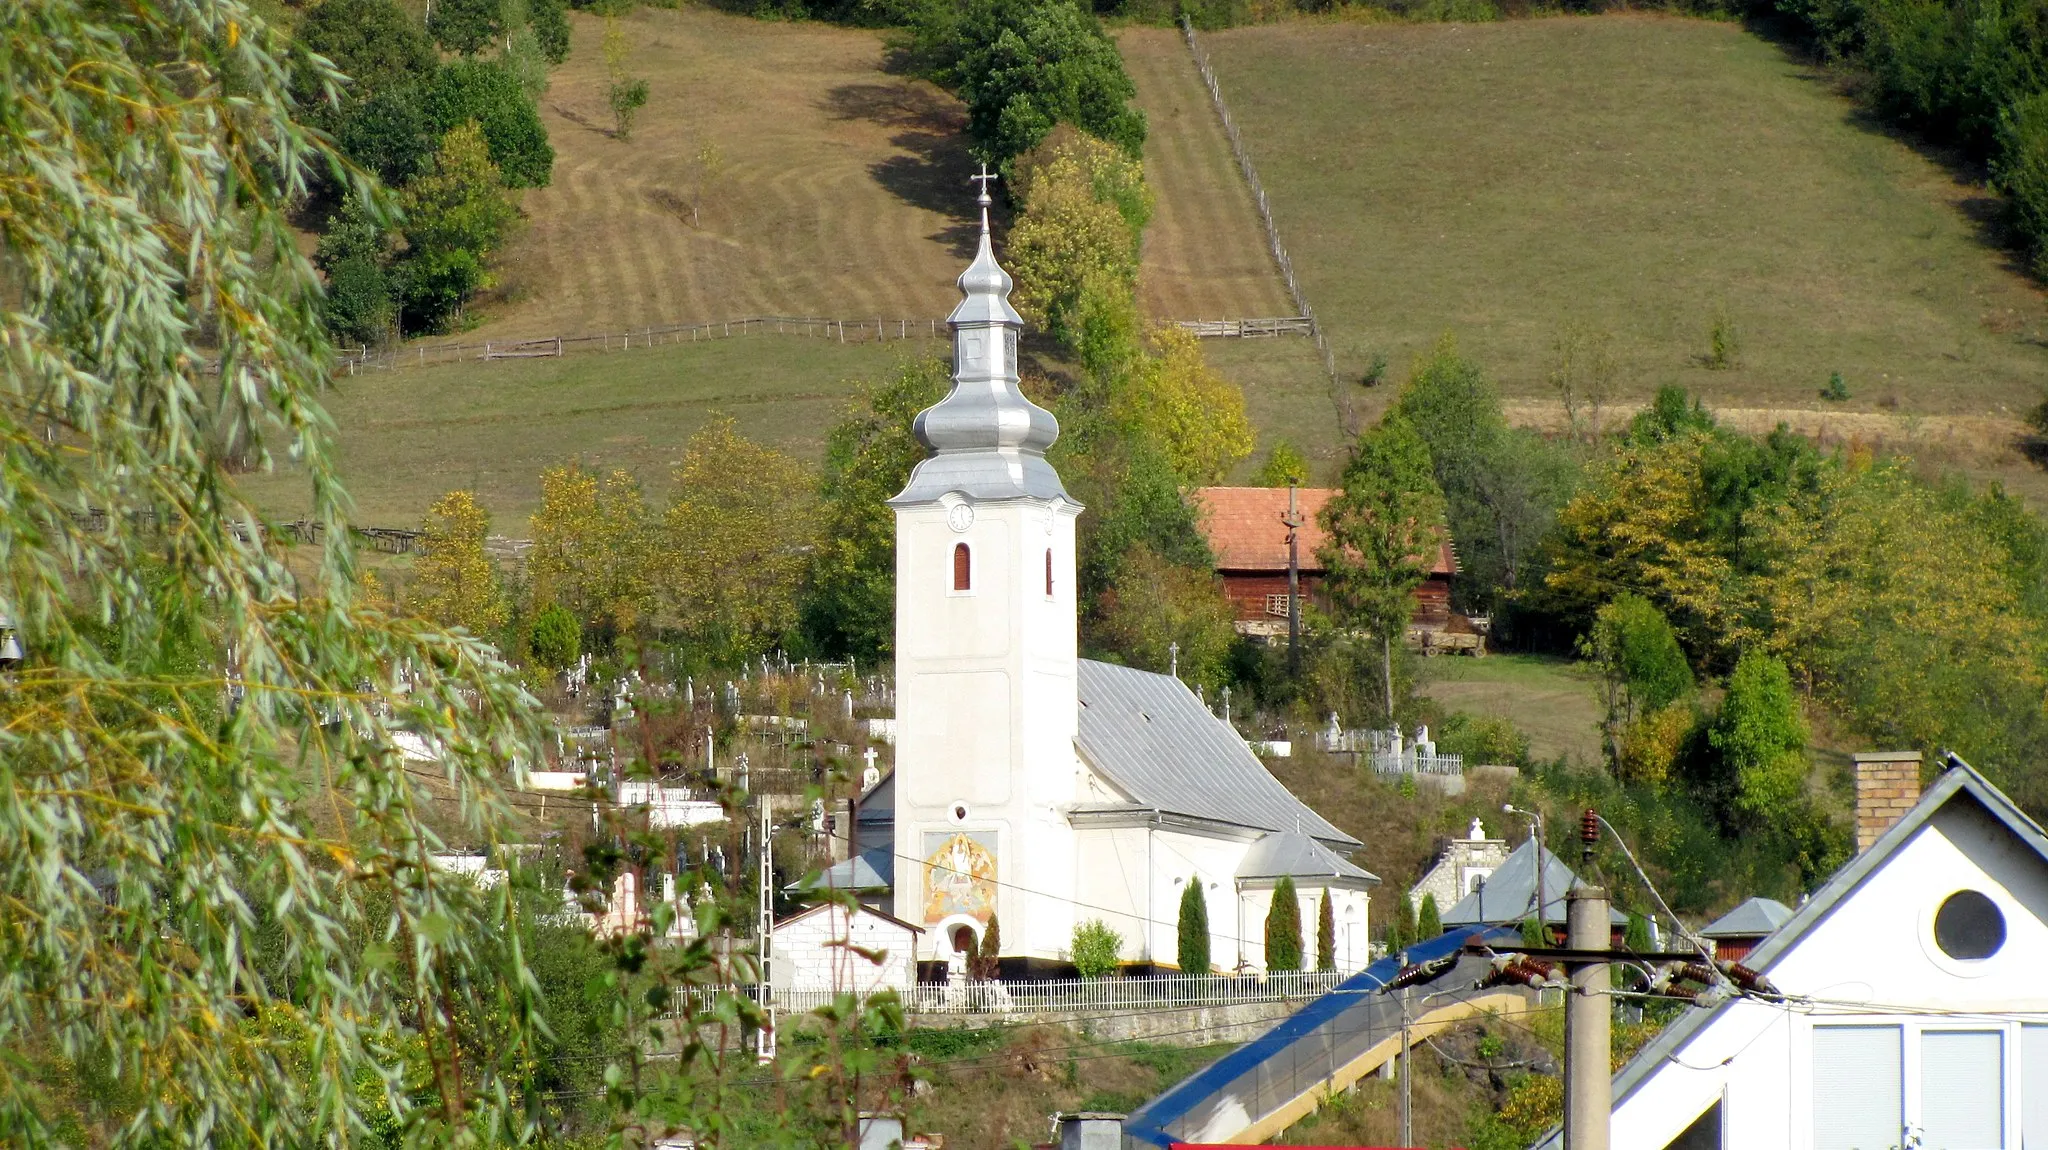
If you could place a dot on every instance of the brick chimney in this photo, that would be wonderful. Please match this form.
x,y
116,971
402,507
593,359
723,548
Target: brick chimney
x,y
1887,786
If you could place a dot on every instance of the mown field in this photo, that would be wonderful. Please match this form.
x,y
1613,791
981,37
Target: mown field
x,y
1632,175
405,437
841,190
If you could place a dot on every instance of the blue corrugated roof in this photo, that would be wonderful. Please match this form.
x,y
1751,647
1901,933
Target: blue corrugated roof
x,y
1148,1123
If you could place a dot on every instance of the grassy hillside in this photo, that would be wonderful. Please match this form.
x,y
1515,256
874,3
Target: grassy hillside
x,y
405,437
1638,174
843,191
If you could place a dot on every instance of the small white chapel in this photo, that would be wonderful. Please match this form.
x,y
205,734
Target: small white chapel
x,y
1035,787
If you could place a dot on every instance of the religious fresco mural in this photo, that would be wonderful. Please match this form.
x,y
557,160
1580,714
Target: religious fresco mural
x,y
959,874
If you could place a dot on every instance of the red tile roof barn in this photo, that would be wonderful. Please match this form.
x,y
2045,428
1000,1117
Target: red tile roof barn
x,y
1243,527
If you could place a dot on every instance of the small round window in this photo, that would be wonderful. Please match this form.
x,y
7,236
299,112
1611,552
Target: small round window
x,y
1969,926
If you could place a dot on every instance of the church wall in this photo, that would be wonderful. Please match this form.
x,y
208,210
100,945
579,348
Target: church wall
x,y
986,702
1178,855
1110,864
1350,910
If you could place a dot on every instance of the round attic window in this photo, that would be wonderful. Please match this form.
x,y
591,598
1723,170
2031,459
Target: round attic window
x,y
1969,926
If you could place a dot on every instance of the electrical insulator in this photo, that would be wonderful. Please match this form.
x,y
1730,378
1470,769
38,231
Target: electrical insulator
x,y
1519,970
1589,834
1747,979
1698,972
1421,972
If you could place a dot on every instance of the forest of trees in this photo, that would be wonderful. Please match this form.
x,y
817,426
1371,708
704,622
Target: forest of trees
x,y
443,113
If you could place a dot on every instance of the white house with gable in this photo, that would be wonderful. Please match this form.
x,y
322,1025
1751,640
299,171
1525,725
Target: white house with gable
x,y
830,949
1916,997
1036,787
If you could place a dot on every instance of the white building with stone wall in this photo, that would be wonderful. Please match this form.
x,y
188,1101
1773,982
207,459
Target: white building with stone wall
x,y
1461,865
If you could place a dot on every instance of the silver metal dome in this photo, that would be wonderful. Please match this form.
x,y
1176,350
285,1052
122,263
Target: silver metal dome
x,y
988,441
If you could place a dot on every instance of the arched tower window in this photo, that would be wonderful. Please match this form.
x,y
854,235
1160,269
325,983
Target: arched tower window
x,y
1048,572
963,568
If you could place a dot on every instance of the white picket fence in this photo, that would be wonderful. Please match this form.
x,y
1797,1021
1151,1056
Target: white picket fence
x,y
1095,995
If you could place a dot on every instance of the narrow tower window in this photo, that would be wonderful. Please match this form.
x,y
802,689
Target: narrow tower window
x,y
963,568
1048,572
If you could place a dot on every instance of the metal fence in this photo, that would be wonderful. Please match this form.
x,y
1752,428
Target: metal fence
x,y
1279,250
1095,995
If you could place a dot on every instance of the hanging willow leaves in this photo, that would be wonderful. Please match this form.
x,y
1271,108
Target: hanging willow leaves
x,y
203,808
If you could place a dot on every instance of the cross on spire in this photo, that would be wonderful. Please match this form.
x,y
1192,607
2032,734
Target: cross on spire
x,y
985,178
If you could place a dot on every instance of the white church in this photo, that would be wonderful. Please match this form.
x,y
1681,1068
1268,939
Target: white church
x,y
1036,787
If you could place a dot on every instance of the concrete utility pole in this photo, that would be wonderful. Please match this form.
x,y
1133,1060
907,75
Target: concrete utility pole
x,y
1588,1017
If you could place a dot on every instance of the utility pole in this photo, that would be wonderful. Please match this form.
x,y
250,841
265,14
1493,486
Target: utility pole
x,y
1536,832
1293,521
765,924
1588,1017
1407,1072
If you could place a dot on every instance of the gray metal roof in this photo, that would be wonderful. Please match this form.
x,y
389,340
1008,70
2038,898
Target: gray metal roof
x,y
1292,854
1753,919
987,440
872,869
1960,779
1155,741
1510,891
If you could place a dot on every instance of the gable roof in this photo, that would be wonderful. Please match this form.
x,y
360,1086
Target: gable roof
x,y
1291,854
857,911
1155,741
1510,891
871,869
1755,918
1959,780
1244,529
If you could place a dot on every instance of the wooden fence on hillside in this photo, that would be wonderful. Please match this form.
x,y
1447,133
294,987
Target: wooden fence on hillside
x,y
1248,328
839,330
877,330
1279,250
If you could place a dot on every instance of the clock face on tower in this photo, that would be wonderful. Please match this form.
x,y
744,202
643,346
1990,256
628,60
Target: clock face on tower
x,y
960,516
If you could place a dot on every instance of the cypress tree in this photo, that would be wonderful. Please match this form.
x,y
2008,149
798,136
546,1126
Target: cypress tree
x,y
1401,931
1283,929
1194,928
991,949
1326,934
1429,923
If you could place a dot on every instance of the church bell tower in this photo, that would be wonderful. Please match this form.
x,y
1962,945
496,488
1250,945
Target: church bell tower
x,y
985,649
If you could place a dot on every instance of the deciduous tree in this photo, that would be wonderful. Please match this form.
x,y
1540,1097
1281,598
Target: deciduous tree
x,y
455,582
1381,534
593,548
1084,207
737,534
455,217
1156,604
179,876
1096,948
849,602
490,95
